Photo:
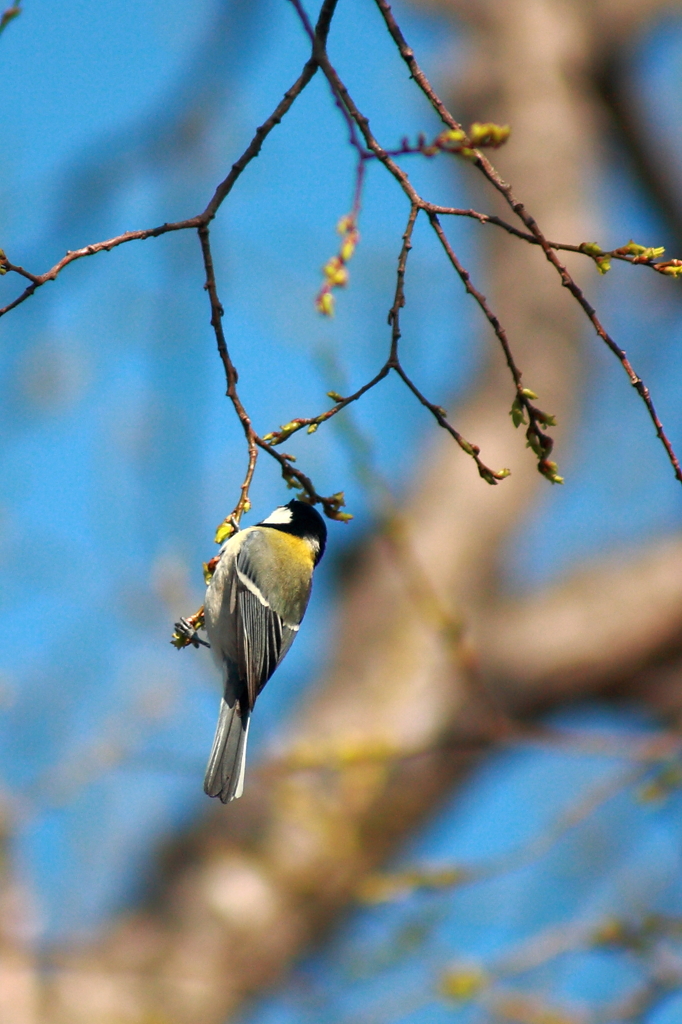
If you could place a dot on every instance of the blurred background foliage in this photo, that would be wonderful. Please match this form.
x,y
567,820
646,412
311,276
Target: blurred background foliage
x,y
121,456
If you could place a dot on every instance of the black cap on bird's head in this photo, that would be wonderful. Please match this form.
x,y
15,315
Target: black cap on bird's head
x,y
301,519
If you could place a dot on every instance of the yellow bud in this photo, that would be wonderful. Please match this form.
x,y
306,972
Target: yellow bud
x,y
549,469
347,248
463,984
345,224
489,134
451,138
331,267
642,253
325,303
611,932
517,413
673,268
649,253
652,792
591,248
224,531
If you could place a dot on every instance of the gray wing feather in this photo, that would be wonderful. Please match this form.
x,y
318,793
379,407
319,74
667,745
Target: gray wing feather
x,y
262,641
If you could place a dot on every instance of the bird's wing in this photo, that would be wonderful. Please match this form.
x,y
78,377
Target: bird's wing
x,y
263,638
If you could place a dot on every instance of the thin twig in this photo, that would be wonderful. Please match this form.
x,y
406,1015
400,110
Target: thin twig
x,y
399,300
38,280
367,147
505,189
489,218
200,222
254,441
231,375
392,363
351,111
416,73
416,202
538,440
278,436
319,43
219,196
489,475
9,15
253,149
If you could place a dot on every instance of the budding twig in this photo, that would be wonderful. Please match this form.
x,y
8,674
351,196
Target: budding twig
x,y
453,140
505,189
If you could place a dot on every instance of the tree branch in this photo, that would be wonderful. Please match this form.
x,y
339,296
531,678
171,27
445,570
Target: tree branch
x,y
505,190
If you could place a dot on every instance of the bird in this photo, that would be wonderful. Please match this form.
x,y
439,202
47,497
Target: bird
x,y
254,605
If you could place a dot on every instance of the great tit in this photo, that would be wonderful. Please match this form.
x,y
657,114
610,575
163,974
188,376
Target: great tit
x,y
255,601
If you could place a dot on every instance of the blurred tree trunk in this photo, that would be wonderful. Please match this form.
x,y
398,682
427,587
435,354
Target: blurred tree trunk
x,y
255,883
19,984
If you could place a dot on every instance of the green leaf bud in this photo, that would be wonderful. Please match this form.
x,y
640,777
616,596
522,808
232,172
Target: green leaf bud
x,y
489,134
517,413
591,248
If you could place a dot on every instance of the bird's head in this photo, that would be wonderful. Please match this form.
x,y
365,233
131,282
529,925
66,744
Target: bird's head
x,y
302,520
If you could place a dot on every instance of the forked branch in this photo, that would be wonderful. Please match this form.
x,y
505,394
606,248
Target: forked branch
x,y
454,140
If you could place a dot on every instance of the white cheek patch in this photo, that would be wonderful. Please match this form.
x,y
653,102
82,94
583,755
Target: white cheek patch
x,y
280,517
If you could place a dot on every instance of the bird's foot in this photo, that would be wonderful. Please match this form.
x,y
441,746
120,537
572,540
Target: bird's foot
x,y
186,631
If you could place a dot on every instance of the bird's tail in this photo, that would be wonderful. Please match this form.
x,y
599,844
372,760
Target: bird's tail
x,y
225,769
